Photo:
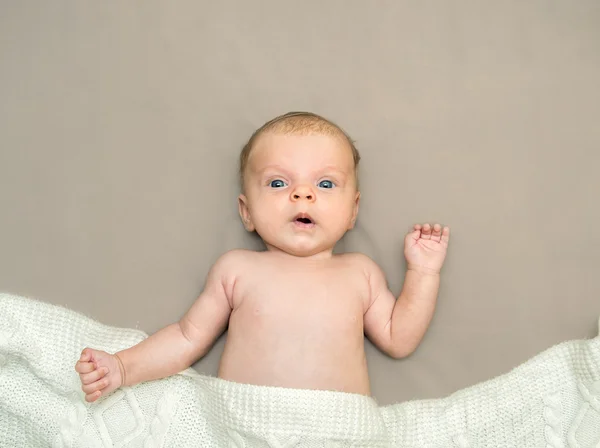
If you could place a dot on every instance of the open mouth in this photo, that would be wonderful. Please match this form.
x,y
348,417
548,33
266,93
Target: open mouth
x,y
304,220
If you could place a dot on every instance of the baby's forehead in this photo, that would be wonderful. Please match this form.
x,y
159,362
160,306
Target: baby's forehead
x,y
275,145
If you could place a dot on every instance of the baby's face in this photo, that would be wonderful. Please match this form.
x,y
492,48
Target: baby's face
x,y
300,192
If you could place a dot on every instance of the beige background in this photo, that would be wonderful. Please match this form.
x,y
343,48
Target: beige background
x,y
121,123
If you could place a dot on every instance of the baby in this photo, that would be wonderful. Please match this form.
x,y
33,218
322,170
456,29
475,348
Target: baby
x,y
296,314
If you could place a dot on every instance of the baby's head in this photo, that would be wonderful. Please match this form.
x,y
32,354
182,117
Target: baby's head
x,y
299,175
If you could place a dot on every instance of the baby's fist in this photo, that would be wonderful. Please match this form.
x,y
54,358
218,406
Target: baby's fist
x,y
100,373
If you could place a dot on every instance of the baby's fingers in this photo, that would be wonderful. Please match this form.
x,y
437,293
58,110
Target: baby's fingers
x,y
93,397
84,367
426,232
86,355
89,378
445,235
94,387
437,232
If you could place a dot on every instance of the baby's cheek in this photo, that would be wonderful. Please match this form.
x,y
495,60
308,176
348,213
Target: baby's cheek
x,y
266,228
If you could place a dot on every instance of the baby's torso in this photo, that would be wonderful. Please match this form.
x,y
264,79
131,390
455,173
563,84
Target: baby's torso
x,y
298,324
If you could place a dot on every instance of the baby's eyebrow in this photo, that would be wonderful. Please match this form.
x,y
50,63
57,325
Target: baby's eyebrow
x,y
326,170
271,168
333,170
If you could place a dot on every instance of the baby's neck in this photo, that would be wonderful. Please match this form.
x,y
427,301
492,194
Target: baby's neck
x,y
319,256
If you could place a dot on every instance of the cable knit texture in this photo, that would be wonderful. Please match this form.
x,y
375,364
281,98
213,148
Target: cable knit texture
x,y
552,400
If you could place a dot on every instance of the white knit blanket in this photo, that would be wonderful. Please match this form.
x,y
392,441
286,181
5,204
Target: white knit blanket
x,y
552,400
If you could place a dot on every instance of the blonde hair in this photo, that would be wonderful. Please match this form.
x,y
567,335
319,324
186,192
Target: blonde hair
x,y
296,123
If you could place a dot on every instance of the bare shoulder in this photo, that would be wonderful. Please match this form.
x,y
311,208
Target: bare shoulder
x,y
369,267
359,260
226,270
232,262
235,256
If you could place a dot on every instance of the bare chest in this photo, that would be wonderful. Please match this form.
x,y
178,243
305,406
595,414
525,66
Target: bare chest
x,y
292,295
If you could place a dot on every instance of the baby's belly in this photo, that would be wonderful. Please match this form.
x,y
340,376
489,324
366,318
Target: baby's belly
x,y
297,355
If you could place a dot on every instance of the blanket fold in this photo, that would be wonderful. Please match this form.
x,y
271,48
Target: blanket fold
x,y
552,400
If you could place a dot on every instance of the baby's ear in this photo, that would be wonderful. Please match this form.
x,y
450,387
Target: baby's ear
x,y
245,213
354,211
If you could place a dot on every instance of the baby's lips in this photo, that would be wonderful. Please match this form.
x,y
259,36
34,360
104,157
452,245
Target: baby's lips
x,y
303,215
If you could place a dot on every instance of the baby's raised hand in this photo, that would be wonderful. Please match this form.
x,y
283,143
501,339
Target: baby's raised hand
x,y
100,373
425,247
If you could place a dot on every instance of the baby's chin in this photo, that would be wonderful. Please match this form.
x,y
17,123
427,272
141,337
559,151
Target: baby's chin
x,y
300,249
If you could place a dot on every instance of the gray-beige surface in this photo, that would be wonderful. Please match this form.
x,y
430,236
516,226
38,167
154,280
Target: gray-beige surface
x,y
121,123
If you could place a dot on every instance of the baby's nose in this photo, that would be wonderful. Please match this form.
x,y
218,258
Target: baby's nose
x,y
303,192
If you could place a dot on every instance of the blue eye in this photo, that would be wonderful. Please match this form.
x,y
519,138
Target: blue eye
x,y
277,183
326,184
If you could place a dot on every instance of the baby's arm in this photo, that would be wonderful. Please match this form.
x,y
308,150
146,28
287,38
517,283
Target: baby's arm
x,y
179,345
398,326
171,349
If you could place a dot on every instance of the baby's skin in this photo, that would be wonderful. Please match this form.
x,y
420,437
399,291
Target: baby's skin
x,y
296,313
